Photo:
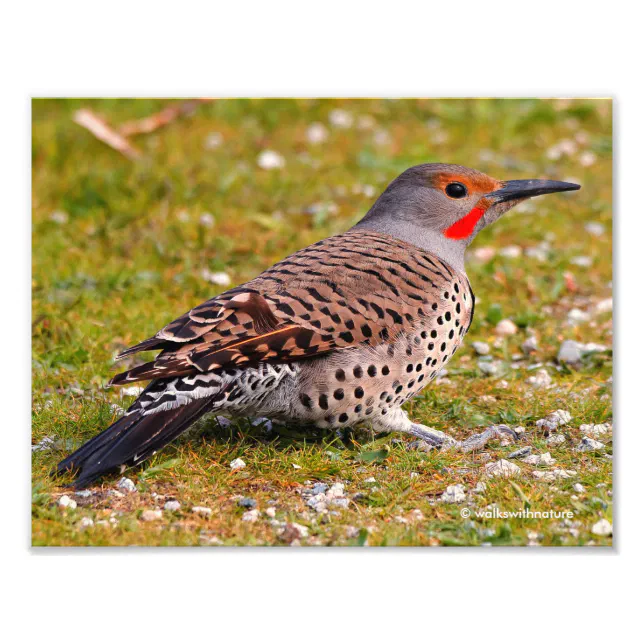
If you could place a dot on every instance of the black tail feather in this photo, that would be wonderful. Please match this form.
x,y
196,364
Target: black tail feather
x,y
129,441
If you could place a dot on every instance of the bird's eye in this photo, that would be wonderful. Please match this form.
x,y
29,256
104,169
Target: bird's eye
x,y
456,190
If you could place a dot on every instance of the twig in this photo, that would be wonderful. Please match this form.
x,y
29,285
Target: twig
x,y
103,132
160,119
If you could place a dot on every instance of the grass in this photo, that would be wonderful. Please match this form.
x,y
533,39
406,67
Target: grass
x,y
128,253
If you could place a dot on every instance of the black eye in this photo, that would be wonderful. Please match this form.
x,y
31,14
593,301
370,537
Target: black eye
x,y
456,190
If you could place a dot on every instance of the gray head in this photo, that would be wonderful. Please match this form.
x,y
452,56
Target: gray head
x,y
442,207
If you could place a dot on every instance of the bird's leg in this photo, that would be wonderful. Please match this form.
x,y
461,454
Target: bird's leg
x,y
397,421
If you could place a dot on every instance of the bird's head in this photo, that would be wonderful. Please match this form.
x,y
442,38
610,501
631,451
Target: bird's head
x,y
442,207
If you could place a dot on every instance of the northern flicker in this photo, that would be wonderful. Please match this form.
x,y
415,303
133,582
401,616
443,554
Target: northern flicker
x,y
340,333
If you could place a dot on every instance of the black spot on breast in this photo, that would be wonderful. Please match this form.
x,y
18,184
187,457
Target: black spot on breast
x,y
443,345
428,361
440,319
434,333
330,419
384,335
410,368
419,366
420,378
451,334
359,392
423,335
339,374
347,336
338,394
369,411
357,409
448,316
366,330
389,399
456,287
385,370
409,351
372,371
383,412
343,418
434,306
458,307
399,388
430,346
357,371
323,401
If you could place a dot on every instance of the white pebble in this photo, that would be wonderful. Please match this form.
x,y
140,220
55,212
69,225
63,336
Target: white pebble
x,y
602,528
587,158
213,140
220,278
316,133
201,511
481,348
541,379
172,506
207,220
126,485
85,523
270,160
59,217
251,516
340,119
502,468
595,228
589,445
556,439
578,487
270,512
511,252
66,502
151,515
453,494
237,464
506,327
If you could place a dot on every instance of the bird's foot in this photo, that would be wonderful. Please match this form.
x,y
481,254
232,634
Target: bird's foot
x,y
434,438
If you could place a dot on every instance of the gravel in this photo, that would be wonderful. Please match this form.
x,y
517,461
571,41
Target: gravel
x,y
521,452
126,485
541,380
539,459
579,488
505,328
85,523
602,528
530,345
596,430
66,502
453,494
151,515
237,464
84,494
555,439
481,348
502,468
45,444
488,368
201,511
172,506
251,516
572,353
589,445
554,420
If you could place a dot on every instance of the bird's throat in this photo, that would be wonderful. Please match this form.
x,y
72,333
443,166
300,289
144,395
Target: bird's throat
x,y
464,227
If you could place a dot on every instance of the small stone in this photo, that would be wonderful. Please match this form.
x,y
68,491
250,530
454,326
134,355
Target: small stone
x,y
151,515
172,506
488,368
564,474
530,345
251,516
543,476
270,512
596,430
519,430
318,502
126,485
45,444
213,141
556,439
502,468
270,160
589,445
66,502
541,379
340,503
316,133
595,228
587,158
481,348
207,220
296,466
335,491
59,217
319,488
340,119
237,464
579,488
453,494
511,252
201,511
505,328
371,479
116,494
85,523
480,488
577,316
218,277
603,306
484,254
583,261
247,503
602,528
521,452
84,494
554,420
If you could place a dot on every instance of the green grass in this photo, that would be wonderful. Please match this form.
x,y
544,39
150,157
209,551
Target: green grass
x,y
130,256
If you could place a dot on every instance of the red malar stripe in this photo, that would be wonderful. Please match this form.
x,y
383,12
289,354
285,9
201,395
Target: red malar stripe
x,y
463,227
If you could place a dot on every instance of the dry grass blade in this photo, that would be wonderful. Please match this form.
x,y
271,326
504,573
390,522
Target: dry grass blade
x,y
160,119
103,132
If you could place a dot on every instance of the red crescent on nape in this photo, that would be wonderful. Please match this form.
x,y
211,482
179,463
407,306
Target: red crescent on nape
x,y
465,226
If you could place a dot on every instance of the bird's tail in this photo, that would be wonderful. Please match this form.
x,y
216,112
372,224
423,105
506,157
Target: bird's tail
x,y
130,440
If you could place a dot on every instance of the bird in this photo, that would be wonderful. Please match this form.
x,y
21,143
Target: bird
x,y
340,333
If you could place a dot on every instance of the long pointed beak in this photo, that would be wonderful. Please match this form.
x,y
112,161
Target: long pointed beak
x,y
524,188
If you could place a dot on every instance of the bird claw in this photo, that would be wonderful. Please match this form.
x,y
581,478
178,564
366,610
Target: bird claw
x,y
478,441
